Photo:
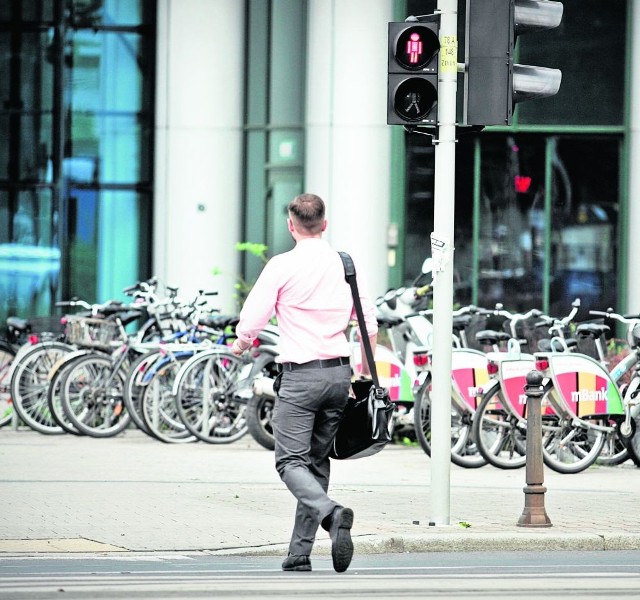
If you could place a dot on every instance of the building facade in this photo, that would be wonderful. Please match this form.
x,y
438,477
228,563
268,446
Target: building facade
x,y
149,137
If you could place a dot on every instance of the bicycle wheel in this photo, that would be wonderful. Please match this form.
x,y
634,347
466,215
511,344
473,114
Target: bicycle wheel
x,y
570,449
53,393
633,441
7,354
260,407
30,382
259,413
91,396
614,451
631,434
464,451
500,436
158,406
135,384
206,397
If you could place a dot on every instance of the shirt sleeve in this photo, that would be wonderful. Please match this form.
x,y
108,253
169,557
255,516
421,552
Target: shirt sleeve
x,y
259,305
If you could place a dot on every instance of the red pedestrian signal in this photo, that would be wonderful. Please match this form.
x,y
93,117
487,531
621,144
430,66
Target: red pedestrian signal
x,y
412,90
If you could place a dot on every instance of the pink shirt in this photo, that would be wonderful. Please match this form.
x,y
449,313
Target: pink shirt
x,y
312,302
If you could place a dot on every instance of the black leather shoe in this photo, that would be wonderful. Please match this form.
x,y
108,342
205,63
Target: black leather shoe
x,y
340,533
296,562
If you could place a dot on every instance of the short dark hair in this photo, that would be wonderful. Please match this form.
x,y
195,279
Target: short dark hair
x,y
307,213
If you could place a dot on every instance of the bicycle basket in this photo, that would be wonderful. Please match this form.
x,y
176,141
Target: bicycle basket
x,y
477,323
587,345
532,332
93,333
50,325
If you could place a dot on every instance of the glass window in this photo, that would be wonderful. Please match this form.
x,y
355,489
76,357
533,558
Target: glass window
x,y
584,223
463,264
33,221
583,230
106,100
112,144
5,218
35,91
511,249
26,11
30,258
34,148
105,72
5,146
76,135
91,13
101,225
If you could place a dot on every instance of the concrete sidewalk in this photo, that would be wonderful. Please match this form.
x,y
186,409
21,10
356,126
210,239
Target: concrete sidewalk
x,y
131,493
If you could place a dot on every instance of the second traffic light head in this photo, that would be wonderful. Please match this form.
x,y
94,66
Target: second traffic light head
x,y
493,83
412,92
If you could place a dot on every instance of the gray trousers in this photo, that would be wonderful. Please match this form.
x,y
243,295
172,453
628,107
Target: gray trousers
x,y
307,412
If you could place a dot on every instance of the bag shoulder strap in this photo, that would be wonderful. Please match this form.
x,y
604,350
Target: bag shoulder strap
x,y
350,277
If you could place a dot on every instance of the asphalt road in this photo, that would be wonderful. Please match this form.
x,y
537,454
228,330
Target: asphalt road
x,y
549,575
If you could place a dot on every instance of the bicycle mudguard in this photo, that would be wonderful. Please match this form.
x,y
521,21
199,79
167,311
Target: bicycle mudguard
x,y
584,386
513,378
469,375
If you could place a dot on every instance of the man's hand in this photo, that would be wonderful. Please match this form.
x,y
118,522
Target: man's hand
x,y
237,347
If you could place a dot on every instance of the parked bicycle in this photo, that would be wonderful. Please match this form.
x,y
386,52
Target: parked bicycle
x,y
499,424
587,404
21,335
468,377
629,365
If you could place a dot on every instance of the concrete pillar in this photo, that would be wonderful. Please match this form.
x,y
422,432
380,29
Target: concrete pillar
x,y
198,153
348,141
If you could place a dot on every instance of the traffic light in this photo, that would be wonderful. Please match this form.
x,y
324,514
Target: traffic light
x,y
412,90
493,83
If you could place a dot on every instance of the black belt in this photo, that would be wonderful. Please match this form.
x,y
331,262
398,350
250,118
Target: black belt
x,y
316,364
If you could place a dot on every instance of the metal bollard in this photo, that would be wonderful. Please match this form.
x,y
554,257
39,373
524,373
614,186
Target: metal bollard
x,y
534,513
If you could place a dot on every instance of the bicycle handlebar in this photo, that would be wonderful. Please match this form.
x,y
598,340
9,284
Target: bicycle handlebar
x,y
557,325
630,321
94,308
609,314
75,302
423,291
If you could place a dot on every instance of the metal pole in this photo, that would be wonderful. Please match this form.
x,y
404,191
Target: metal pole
x,y
534,513
442,252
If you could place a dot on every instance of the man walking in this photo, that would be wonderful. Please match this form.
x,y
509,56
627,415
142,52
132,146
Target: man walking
x,y
306,289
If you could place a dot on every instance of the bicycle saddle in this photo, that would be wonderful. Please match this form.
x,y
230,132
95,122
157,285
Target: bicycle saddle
x,y
489,337
17,323
592,330
218,321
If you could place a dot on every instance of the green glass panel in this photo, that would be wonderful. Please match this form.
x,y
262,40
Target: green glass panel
x,y
106,72
94,13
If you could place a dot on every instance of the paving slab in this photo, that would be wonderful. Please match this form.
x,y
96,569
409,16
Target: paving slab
x,y
73,494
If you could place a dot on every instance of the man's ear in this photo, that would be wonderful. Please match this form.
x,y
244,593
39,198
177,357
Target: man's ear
x,y
290,225
324,225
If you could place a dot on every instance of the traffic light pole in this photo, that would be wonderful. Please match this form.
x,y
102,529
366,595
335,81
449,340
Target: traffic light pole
x,y
442,251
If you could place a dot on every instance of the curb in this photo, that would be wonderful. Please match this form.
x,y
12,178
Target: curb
x,y
529,541
474,542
